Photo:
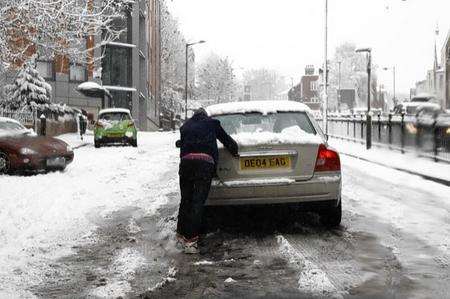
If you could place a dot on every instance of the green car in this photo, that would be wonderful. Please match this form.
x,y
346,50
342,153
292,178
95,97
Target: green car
x,y
115,125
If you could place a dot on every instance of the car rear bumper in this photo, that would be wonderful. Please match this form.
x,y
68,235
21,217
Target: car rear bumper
x,y
323,187
38,163
116,139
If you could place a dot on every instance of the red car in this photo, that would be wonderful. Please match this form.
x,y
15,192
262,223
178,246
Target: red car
x,y
22,151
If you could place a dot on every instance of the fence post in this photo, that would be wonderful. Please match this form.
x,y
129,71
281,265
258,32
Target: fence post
x,y
390,129
348,127
379,127
362,127
43,130
418,133
435,140
402,133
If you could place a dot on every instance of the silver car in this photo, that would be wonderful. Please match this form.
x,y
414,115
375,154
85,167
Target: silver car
x,y
284,159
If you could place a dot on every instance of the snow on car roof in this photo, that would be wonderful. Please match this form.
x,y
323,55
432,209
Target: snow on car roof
x,y
115,110
263,107
5,119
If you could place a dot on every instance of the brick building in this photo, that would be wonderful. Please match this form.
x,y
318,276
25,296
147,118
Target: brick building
x,y
307,91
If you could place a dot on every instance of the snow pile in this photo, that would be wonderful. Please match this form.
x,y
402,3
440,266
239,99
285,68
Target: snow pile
x,y
203,263
291,135
125,265
263,107
312,279
44,216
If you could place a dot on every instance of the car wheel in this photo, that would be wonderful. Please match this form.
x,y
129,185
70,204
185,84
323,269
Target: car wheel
x,y
96,144
133,142
332,216
5,164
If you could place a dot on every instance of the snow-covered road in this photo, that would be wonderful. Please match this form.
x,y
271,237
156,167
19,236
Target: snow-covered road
x,y
104,228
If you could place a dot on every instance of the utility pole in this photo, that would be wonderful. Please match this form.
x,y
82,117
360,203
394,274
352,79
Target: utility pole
x,y
325,94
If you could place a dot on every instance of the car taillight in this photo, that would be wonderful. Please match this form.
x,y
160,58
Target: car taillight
x,y
327,160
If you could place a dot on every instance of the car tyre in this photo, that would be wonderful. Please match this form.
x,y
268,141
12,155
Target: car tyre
x,y
97,144
133,143
5,164
332,216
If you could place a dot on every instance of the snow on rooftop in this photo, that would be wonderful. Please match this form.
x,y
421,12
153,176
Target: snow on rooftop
x,y
90,86
115,110
263,107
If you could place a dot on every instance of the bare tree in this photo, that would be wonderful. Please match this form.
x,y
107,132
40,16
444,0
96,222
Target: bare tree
x,y
56,27
173,63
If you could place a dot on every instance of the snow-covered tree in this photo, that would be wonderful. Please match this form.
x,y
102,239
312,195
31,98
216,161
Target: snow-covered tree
x,y
216,79
173,63
28,89
353,74
265,84
56,27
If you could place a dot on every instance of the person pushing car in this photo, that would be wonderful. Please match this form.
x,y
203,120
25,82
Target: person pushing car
x,y
199,156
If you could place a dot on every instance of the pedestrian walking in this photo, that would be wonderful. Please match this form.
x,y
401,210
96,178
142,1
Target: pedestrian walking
x,y
199,157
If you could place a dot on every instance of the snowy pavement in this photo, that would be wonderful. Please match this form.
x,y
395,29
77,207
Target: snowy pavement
x,y
409,162
104,229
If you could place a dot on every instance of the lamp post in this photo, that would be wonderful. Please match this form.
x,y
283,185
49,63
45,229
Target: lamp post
x,y
393,74
369,116
186,77
339,86
325,79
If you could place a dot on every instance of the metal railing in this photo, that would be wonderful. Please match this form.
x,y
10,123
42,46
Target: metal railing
x,y
429,137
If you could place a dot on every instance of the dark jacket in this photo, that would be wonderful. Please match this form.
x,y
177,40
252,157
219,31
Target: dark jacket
x,y
199,135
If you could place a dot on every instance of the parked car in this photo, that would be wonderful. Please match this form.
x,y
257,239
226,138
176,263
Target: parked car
x,y
284,159
115,125
21,150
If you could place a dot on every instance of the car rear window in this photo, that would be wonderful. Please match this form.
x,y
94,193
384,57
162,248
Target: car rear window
x,y
272,123
115,116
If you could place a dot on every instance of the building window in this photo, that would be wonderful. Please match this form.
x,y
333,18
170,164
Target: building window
x,y
116,66
121,99
46,69
77,73
313,85
123,23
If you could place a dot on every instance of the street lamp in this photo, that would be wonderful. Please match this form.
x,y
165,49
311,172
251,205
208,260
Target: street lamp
x,y
186,78
339,85
369,116
393,73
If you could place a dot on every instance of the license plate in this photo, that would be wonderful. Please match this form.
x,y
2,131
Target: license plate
x,y
56,162
271,162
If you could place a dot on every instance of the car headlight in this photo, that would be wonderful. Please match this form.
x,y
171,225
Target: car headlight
x,y
27,151
69,148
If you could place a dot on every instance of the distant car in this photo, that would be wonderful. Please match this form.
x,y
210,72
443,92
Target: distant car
x,y
23,151
115,125
284,159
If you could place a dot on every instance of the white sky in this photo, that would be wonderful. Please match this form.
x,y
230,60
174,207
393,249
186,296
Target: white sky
x,y
288,34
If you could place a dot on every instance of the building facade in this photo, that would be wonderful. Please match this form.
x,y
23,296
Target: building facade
x,y
128,68
307,91
446,70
